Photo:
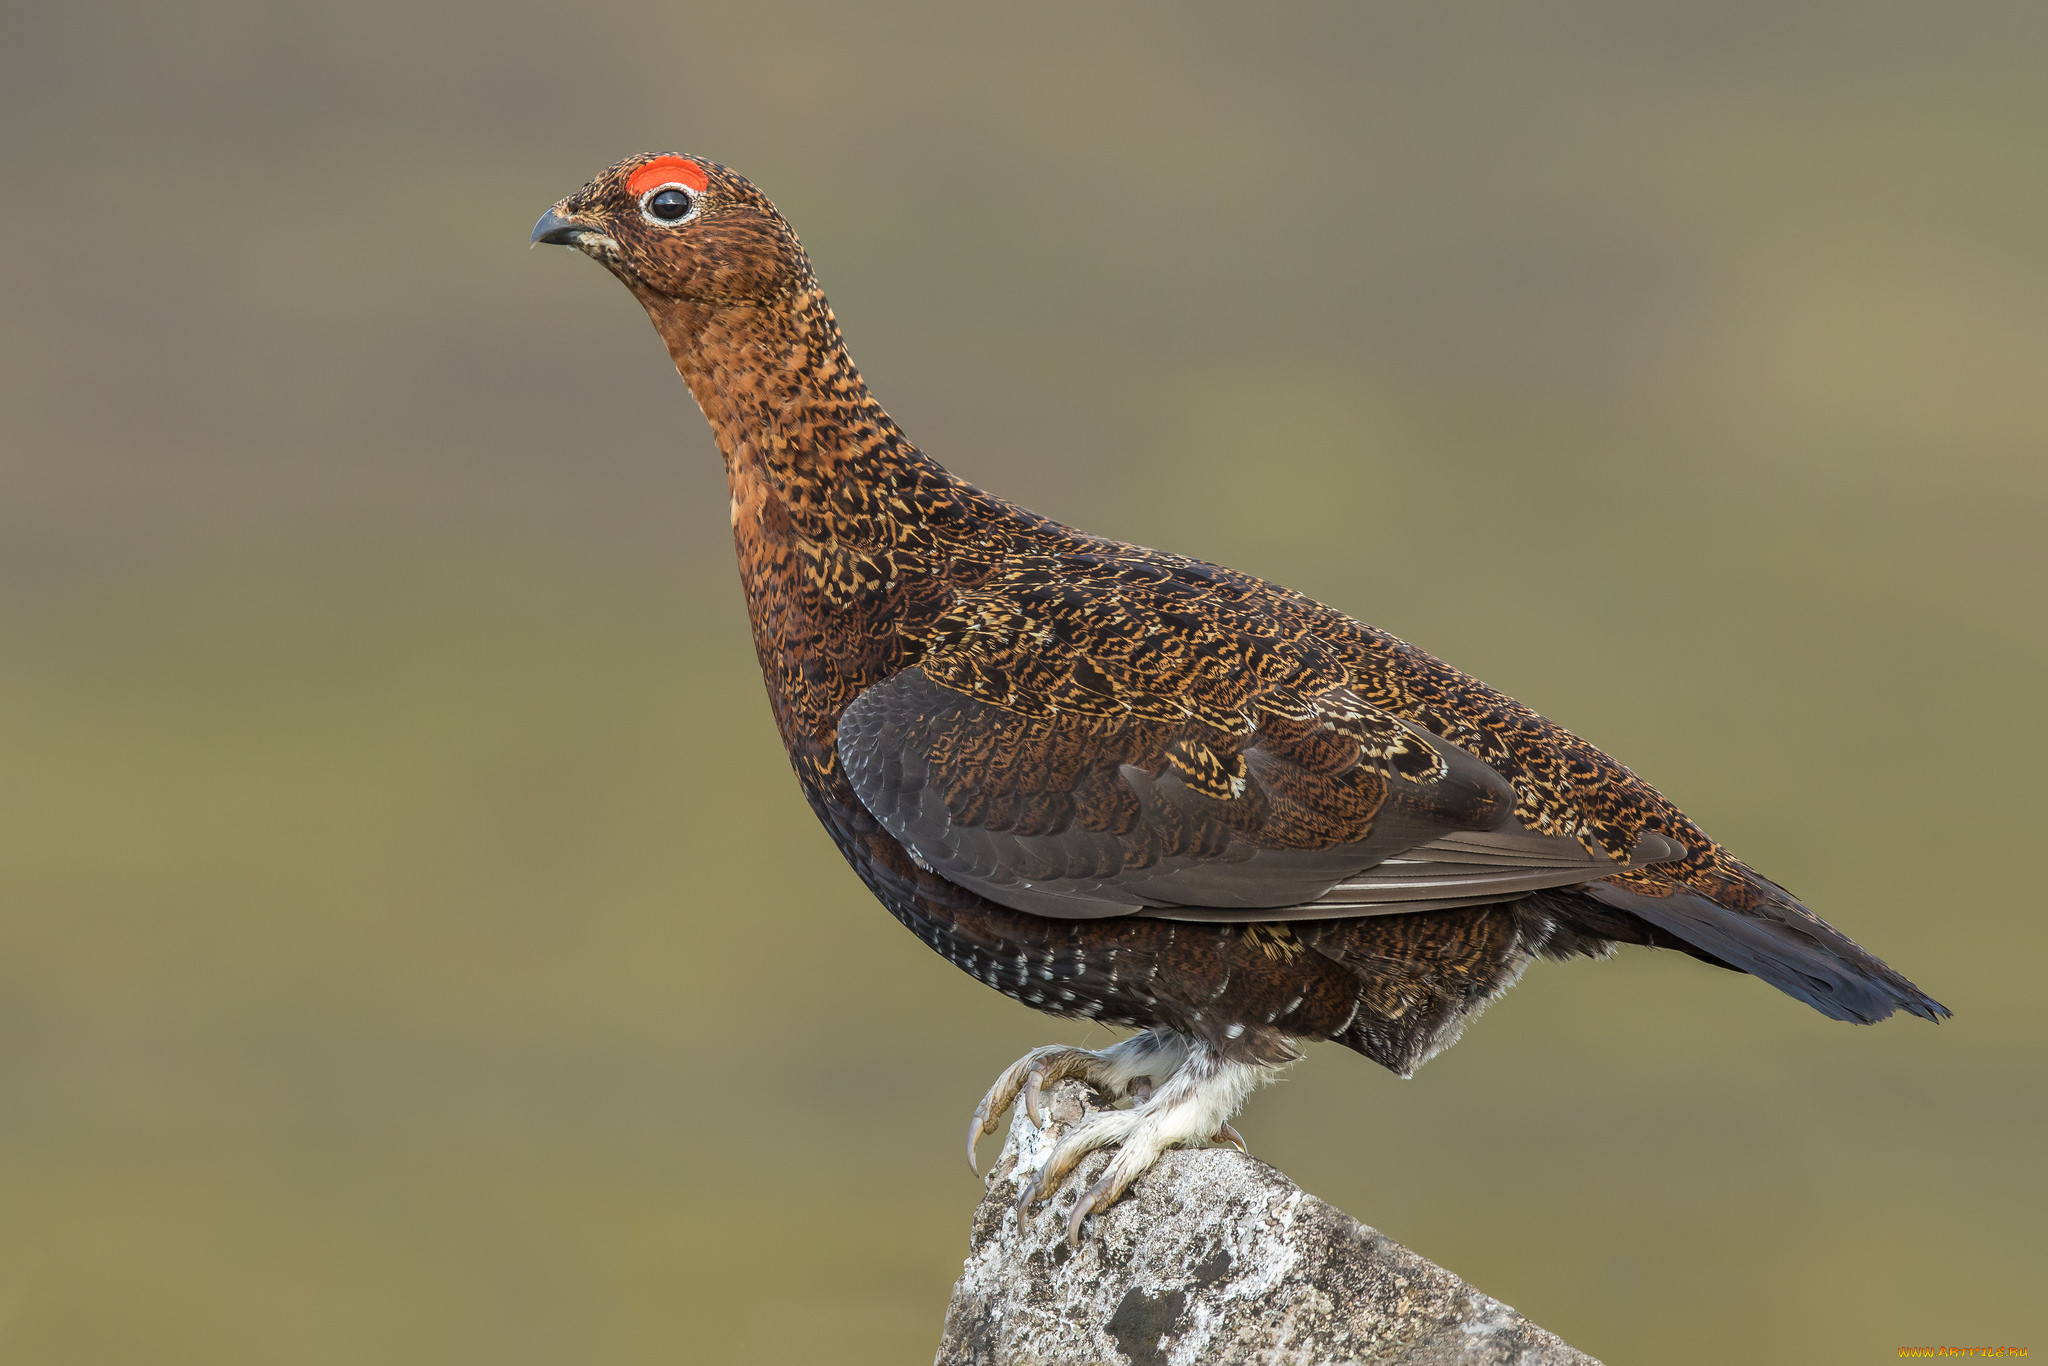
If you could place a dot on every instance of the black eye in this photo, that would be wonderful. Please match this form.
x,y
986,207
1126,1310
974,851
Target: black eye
x,y
670,205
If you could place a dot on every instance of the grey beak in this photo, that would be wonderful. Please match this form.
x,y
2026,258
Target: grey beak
x,y
558,231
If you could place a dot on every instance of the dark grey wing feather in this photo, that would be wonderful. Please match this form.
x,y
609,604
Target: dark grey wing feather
x,y
1002,803
1443,875
1475,869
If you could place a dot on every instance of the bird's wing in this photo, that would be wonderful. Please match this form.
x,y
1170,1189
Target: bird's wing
x,y
1343,811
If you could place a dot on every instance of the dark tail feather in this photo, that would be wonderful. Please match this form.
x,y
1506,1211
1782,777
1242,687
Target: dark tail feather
x,y
1782,942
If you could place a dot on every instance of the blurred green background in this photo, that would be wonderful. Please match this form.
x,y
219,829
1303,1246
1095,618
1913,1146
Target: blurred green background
x,y
413,947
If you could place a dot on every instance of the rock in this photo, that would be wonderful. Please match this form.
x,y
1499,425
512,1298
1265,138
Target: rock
x,y
1211,1256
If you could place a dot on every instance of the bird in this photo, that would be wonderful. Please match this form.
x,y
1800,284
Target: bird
x,y
1135,788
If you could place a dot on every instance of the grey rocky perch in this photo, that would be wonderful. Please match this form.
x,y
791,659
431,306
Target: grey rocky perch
x,y
1212,1256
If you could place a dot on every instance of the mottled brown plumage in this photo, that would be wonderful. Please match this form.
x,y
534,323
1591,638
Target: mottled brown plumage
x,y
1129,786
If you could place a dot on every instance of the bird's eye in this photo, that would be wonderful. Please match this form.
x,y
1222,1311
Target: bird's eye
x,y
670,204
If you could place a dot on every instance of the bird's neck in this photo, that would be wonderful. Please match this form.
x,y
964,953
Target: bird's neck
x,y
803,440
848,536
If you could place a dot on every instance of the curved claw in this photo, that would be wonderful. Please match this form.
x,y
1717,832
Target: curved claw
x,y
1094,1200
977,1129
1226,1134
1034,1080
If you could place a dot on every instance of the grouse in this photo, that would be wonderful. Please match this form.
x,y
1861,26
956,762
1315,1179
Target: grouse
x,y
1132,787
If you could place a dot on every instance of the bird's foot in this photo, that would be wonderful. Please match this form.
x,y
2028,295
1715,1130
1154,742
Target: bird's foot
x,y
1123,1070
1187,1096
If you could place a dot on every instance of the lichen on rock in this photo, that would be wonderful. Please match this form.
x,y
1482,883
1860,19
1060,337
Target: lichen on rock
x,y
1212,1257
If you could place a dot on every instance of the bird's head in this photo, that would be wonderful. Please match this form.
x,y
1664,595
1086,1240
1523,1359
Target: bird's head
x,y
680,230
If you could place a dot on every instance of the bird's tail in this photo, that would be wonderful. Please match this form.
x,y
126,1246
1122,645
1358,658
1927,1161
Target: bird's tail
x,y
1748,922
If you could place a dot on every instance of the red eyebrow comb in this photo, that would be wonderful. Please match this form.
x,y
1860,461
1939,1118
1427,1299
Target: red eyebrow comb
x,y
668,171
